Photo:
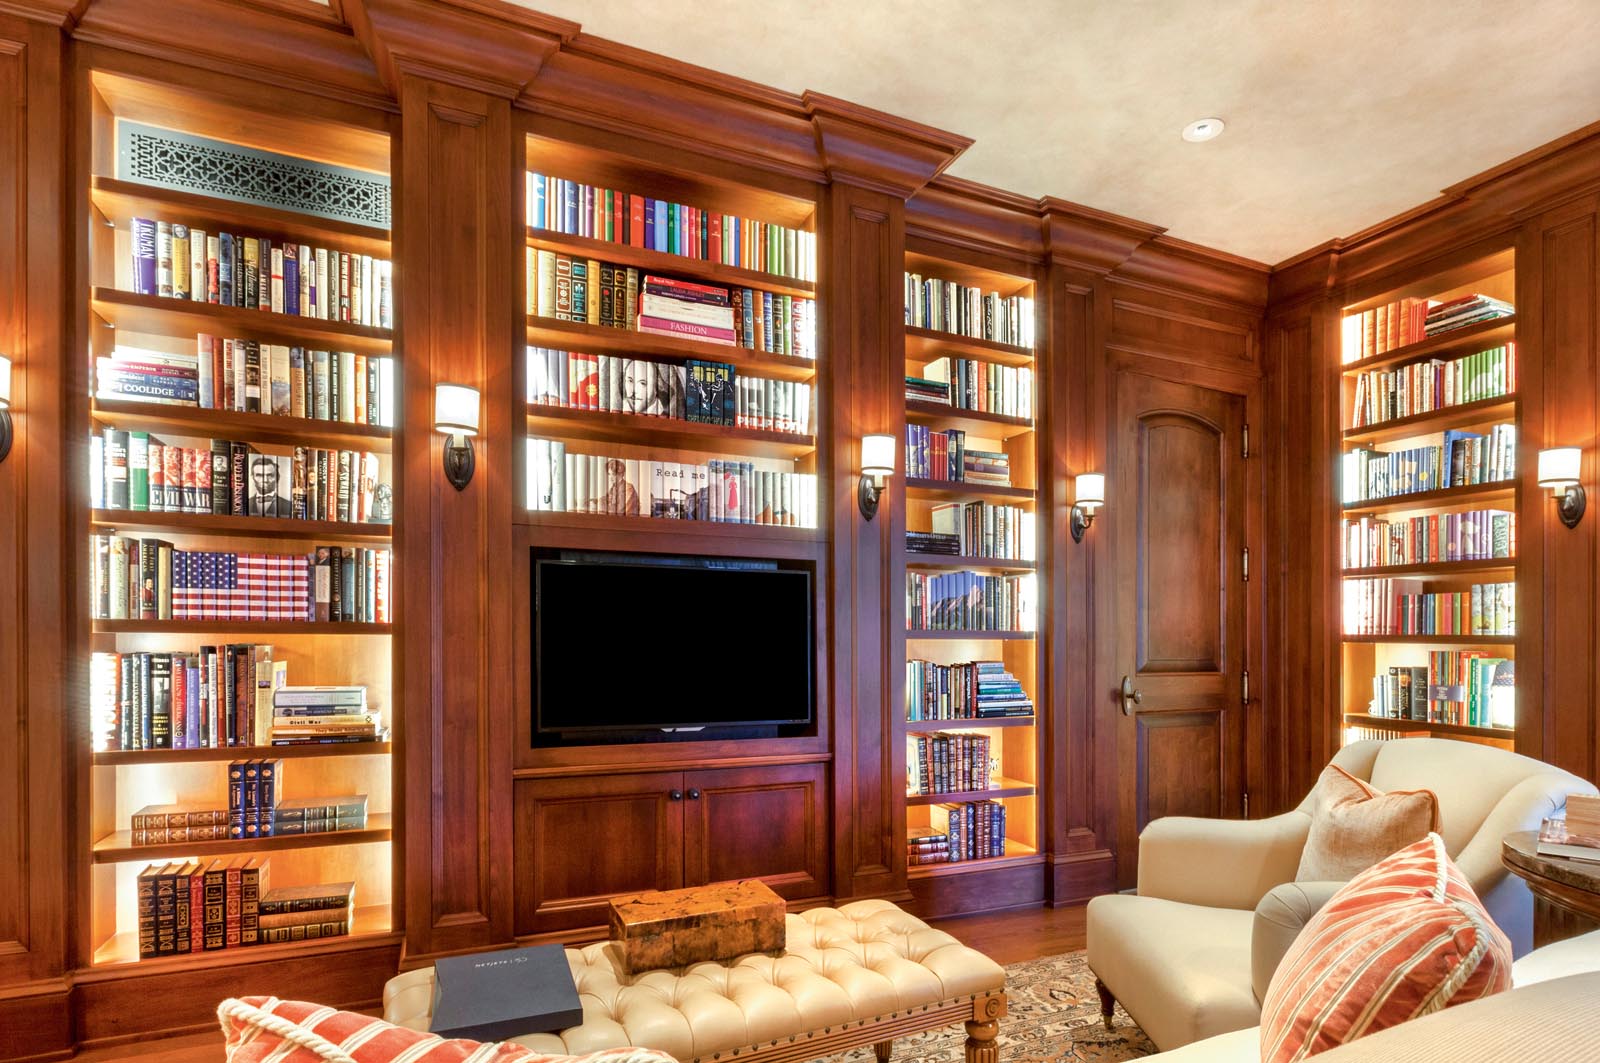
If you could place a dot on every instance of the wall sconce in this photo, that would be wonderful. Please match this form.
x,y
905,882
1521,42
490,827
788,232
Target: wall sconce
x,y
1090,489
5,407
1559,470
877,465
455,414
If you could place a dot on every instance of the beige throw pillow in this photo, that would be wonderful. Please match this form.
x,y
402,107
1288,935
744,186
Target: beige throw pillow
x,y
1353,826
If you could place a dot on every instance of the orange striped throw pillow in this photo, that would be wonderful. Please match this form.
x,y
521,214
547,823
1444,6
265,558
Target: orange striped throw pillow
x,y
258,1029
1404,938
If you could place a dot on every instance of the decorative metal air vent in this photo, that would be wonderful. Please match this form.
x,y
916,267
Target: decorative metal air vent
x,y
185,163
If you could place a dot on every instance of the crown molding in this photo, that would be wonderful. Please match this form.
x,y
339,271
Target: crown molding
x,y
990,221
58,13
485,46
876,150
1172,264
1095,240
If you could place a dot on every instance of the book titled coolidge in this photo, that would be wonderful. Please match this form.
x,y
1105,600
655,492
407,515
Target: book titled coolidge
x,y
490,996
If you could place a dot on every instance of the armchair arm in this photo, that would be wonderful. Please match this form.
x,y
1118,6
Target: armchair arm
x,y
1280,917
1220,863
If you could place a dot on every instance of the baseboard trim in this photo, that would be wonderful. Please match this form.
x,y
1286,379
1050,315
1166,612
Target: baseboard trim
x,y
1077,878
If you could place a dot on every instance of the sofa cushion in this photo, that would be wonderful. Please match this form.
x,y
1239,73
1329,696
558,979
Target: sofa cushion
x,y
1280,917
1577,955
1402,939
1354,825
258,1029
1182,970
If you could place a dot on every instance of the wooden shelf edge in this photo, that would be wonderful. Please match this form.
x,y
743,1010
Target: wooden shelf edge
x,y
978,422
240,527
962,636
238,627
1482,332
581,336
113,196
1390,723
968,724
927,341
115,848
1431,640
138,313
956,489
1432,568
373,926
1010,788
1421,424
114,757
1022,857
254,427
648,259
918,560
1495,490
637,430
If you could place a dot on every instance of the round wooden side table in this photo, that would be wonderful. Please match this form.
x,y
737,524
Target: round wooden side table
x,y
1566,892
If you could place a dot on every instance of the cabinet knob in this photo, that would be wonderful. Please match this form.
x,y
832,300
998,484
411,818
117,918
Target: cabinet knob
x,y
694,795
676,795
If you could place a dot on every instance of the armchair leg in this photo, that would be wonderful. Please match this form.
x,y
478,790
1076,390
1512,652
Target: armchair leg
x,y
883,1050
1108,1003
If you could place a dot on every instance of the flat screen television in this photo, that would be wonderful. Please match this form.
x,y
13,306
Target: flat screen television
x,y
671,646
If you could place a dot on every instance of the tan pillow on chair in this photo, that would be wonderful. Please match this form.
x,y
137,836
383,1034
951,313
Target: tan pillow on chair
x,y
1353,826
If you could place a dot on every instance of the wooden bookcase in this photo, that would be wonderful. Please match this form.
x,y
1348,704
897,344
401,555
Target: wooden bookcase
x,y
1016,743
115,783
1365,656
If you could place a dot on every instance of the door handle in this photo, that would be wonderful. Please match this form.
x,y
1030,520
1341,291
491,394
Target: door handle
x,y
675,795
1130,696
694,795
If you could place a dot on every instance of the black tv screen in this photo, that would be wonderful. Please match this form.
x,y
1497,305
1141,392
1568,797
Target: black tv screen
x,y
646,645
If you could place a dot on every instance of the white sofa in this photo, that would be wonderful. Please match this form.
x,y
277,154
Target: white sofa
x,y
1190,955
1547,1016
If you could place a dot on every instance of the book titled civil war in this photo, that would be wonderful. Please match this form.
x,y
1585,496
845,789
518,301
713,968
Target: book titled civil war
x,y
490,996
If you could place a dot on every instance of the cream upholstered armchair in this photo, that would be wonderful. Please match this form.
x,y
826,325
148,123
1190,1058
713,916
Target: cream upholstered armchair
x,y
1191,953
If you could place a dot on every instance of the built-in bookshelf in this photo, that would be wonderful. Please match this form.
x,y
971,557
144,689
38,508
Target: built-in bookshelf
x,y
1431,507
972,684
177,360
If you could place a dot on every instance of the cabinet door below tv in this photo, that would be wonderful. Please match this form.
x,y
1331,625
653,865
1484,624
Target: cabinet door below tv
x,y
580,841
769,823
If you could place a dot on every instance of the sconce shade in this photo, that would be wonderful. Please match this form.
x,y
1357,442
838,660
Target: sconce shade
x,y
5,383
877,455
1090,488
1560,466
455,409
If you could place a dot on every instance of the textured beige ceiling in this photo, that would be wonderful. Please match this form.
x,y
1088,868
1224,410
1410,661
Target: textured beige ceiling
x,y
1339,114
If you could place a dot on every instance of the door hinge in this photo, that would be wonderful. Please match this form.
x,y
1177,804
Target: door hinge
x,y
1247,805
1246,567
1245,453
1244,688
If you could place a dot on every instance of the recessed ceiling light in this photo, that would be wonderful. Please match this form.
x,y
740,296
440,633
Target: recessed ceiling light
x,y
1203,129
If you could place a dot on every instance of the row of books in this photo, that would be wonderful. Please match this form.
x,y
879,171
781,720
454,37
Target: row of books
x,y
137,472
1472,535
254,811
148,579
983,529
943,454
947,762
969,601
971,830
1463,687
1463,459
1463,311
1423,387
976,690
215,697
599,293
179,261
1403,607
966,384
1383,328
317,714
191,906
698,391
724,490
558,205
244,376
950,307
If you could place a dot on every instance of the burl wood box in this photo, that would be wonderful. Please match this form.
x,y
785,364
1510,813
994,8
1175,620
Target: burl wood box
x,y
674,928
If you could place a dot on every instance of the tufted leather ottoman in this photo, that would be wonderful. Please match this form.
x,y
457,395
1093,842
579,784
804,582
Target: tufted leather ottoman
x,y
861,974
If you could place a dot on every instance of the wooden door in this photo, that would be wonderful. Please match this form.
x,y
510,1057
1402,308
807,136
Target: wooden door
x,y
769,823
1176,520
583,840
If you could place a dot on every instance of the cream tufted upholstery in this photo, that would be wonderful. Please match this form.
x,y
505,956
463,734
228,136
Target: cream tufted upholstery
x,y
863,960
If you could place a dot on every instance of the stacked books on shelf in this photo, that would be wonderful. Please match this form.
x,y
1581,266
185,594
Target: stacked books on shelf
x,y
184,262
966,384
191,906
323,714
699,391
1463,687
1463,311
1423,387
947,762
982,529
599,293
1383,328
978,690
148,579
1402,607
243,376
932,454
1463,459
1576,834
216,696
724,490
969,601
922,542
253,811
304,913
138,472
1473,535
950,307
576,209
971,830
927,846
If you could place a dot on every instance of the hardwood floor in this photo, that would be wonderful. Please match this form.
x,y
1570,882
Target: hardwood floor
x,y
1007,937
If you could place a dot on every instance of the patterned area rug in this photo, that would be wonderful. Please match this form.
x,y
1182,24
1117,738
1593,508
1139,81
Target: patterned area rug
x,y
1052,1016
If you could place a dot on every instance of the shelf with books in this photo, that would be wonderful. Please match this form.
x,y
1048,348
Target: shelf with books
x,y
1432,640
161,316
638,430
1003,787
246,427
916,560
1391,723
1438,569
118,757
239,527
579,335
969,636
1464,415
373,921
118,847
923,345
963,490
974,724
1484,334
663,262
1494,491
975,422
273,628
1017,854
